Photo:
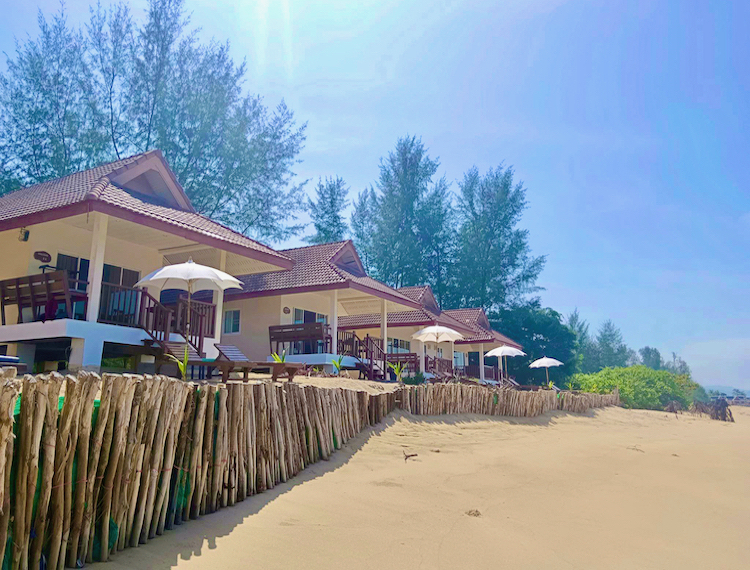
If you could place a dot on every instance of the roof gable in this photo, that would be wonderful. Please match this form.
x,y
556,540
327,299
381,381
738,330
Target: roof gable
x,y
347,258
149,176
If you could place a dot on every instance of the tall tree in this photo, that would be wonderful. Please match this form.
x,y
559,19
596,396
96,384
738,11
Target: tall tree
x,y
611,351
677,365
363,225
50,124
651,357
542,332
585,350
436,236
70,100
495,267
405,179
327,209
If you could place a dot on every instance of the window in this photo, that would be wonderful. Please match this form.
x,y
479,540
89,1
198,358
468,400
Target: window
x,y
301,316
398,346
232,321
458,359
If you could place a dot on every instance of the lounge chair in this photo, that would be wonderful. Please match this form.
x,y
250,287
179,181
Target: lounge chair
x,y
232,358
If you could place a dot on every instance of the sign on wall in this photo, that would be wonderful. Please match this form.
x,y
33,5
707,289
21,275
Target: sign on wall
x,y
42,256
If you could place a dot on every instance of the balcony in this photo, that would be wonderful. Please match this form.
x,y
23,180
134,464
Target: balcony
x,y
55,295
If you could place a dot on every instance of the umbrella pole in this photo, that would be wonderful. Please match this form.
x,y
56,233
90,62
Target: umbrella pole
x,y
547,371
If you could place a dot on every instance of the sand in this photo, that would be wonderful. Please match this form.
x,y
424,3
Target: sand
x,y
612,489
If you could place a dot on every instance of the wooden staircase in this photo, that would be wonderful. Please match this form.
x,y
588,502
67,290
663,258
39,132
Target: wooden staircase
x,y
157,320
372,359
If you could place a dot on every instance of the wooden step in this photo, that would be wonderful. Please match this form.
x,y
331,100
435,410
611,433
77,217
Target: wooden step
x,y
177,349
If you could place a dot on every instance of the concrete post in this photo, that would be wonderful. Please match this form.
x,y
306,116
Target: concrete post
x,y
333,317
96,265
420,350
219,300
384,324
85,354
481,362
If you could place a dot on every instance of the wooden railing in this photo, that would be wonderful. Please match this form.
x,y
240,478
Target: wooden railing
x,y
373,356
348,343
43,293
491,373
308,334
410,360
200,311
439,366
133,307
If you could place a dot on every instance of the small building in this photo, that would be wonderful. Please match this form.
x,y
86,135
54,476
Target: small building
x,y
444,359
74,248
299,311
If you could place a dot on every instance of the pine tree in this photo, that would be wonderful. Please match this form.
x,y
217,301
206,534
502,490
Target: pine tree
x,y
70,100
327,211
495,267
363,225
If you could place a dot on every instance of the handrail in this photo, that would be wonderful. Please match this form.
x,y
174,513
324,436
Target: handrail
x,y
200,312
134,307
372,351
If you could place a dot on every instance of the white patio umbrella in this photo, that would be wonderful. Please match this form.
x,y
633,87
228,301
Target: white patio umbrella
x,y
190,277
545,363
505,351
436,334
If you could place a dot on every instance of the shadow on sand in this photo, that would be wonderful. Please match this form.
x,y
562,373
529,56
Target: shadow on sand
x,y
190,538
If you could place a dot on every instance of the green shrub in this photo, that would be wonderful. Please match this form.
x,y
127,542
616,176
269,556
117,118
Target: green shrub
x,y
414,380
641,387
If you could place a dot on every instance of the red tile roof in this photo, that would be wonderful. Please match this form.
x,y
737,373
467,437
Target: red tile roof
x,y
477,319
92,190
420,317
315,268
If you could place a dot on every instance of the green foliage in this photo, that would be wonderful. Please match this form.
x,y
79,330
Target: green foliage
x,y
495,267
414,380
406,178
338,364
279,358
542,332
611,351
363,226
651,357
73,98
182,365
326,211
398,369
641,387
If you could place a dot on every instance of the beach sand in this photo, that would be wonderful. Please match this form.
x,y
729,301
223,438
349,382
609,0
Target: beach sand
x,y
611,489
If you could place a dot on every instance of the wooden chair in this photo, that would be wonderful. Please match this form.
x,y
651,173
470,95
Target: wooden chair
x,y
232,358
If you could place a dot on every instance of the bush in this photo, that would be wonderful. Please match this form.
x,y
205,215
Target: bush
x,y
414,380
641,387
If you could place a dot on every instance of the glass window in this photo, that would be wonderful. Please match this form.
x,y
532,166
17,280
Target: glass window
x,y
398,346
232,321
458,359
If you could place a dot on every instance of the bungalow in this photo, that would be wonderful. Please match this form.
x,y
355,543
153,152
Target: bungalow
x,y
73,249
298,312
462,358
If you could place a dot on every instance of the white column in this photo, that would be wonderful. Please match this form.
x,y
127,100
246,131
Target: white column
x,y
481,362
384,323
96,264
86,354
453,355
420,350
219,299
333,317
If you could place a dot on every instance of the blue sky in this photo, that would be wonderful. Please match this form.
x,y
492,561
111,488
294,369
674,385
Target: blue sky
x,y
626,120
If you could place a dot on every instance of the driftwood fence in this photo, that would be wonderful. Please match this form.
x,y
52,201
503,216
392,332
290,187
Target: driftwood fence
x,y
438,399
90,465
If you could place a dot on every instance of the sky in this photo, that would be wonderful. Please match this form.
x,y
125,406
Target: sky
x,y
626,121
